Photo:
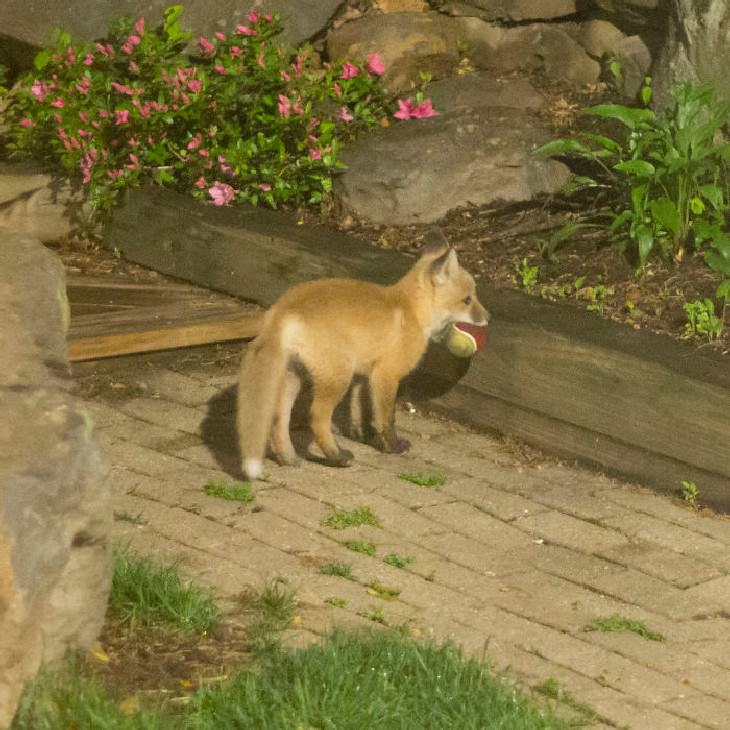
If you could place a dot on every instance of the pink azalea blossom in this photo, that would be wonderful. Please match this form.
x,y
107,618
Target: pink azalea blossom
x,y
200,183
265,187
114,174
424,110
206,46
127,48
405,108
70,55
39,90
284,75
105,50
83,86
203,153
253,17
349,71
58,103
298,66
245,30
88,59
84,117
297,108
133,67
219,68
27,123
336,88
284,106
236,52
195,85
134,162
86,163
268,17
315,154
123,89
139,26
121,117
221,193
225,167
408,110
220,36
134,40
375,64
194,143
344,114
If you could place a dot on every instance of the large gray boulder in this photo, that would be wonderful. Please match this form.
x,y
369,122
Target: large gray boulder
x,y
54,504
419,170
509,10
32,21
697,46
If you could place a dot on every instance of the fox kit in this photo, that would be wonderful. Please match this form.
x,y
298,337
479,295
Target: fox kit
x,y
331,330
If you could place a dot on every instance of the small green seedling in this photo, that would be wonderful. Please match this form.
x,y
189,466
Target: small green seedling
x,y
528,274
381,591
702,320
422,479
552,689
376,614
621,623
341,570
368,548
335,601
127,517
397,561
690,492
339,519
232,491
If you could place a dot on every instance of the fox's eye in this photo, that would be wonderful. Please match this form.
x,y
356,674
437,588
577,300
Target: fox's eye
x,y
467,300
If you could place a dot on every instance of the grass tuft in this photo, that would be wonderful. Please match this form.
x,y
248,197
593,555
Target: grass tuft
x,y
335,601
368,548
339,519
422,479
233,491
381,591
621,623
397,561
341,570
146,593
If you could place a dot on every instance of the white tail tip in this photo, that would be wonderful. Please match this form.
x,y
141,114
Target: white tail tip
x,y
253,468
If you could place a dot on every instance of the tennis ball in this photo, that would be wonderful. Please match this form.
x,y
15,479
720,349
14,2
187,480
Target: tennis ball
x,y
463,339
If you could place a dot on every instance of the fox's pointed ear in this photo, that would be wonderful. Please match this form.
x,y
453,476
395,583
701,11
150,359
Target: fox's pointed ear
x,y
434,242
444,267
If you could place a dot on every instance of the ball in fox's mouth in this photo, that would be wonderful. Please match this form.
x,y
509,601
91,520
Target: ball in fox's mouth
x,y
464,339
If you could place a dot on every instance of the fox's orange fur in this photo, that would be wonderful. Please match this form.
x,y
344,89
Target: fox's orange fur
x,y
335,329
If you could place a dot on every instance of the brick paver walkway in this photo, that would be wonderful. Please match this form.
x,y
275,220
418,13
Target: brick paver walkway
x,y
510,558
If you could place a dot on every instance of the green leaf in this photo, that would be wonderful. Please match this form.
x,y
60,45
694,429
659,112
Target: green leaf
x,y
697,206
564,147
606,142
646,91
621,220
645,240
641,168
713,194
665,212
723,291
628,116
717,262
42,59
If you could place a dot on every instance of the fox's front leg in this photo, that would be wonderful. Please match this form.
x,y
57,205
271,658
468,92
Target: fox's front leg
x,y
384,388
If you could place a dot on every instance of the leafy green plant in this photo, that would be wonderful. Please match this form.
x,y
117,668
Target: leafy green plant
x,y
397,561
273,610
690,492
621,623
376,614
232,491
146,593
702,320
423,479
357,546
341,570
339,519
552,689
245,119
335,601
665,184
528,274
381,591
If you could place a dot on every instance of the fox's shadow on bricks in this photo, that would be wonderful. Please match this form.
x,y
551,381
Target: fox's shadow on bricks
x,y
438,372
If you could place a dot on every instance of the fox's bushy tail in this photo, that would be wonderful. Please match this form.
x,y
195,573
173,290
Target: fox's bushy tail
x,y
262,373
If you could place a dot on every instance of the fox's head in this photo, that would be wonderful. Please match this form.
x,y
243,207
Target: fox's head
x,y
454,290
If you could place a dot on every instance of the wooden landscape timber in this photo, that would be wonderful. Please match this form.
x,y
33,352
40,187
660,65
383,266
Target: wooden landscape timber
x,y
630,403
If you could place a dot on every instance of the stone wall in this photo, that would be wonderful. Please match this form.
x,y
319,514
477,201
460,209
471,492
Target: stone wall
x,y
54,507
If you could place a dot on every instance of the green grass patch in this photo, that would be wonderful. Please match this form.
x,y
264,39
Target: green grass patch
x,y
422,479
335,601
384,592
368,548
362,680
65,698
397,561
146,593
552,689
341,570
621,623
273,610
128,517
233,491
339,519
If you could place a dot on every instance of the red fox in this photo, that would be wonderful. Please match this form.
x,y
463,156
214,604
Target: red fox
x,y
332,330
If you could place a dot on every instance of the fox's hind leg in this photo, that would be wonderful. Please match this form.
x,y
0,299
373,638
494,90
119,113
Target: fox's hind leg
x,y
327,393
384,388
281,444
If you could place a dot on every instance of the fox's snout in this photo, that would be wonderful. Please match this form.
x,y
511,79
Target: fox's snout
x,y
479,315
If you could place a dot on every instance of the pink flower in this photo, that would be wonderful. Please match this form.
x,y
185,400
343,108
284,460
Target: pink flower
x,y
336,88
221,193
203,153
83,86
344,114
133,67
245,30
114,174
424,110
195,85
105,50
122,89
194,143
298,66
226,169
220,36
39,90
264,187
70,55
206,46
375,64
298,109
219,68
315,154
86,163
58,103
134,40
405,108
236,52
134,164
121,117
127,48
253,17
200,183
88,59
349,71
268,17
284,75
284,106
139,26
84,117
27,123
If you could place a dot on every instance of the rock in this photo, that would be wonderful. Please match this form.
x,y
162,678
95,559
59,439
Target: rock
x,y
401,6
534,47
510,10
635,59
407,42
599,37
54,504
416,171
32,22
696,48
481,89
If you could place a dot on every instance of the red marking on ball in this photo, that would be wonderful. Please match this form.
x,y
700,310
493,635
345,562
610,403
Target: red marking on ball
x,y
477,333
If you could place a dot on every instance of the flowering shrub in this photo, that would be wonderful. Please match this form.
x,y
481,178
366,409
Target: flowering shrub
x,y
243,120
